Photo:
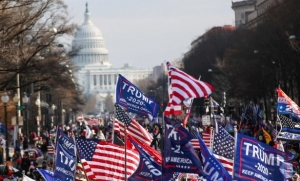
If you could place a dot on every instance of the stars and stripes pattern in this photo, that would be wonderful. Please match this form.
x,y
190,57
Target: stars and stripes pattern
x,y
79,174
210,161
184,86
134,129
105,161
223,148
205,137
122,116
50,149
274,134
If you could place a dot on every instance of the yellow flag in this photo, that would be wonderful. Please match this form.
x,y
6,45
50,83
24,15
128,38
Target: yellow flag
x,y
267,136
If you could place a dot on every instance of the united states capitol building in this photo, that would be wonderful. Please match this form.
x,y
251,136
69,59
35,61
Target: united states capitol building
x,y
96,76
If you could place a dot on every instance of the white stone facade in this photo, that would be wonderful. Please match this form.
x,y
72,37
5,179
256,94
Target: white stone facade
x,y
249,12
95,74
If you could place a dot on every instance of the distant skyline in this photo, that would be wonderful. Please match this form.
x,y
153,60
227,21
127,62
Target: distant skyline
x,y
146,33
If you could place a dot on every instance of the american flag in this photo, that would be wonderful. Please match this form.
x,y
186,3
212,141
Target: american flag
x,y
223,148
205,137
122,116
50,149
134,129
184,86
105,161
80,173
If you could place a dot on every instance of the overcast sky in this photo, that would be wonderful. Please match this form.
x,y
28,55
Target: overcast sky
x,y
144,33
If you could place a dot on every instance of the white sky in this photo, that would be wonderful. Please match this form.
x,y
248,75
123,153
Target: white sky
x,y
145,33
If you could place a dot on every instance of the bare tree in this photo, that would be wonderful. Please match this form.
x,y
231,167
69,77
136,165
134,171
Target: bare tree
x,y
32,46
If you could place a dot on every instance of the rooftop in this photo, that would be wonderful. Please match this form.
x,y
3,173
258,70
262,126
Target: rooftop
x,y
243,3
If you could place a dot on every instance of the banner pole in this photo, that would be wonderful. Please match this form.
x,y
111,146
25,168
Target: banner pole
x,y
235,144
113,132
163,144
125,147
276,117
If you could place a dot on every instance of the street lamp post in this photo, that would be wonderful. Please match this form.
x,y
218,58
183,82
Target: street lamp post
x,y
45,107
71,115
25,101
38,103
16,100
53,107
5,100
63,118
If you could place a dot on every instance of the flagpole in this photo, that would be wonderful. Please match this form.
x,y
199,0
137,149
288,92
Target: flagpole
x,y
125,148
276,117
235,144
56,137
113,132
163,144
212,115
211,138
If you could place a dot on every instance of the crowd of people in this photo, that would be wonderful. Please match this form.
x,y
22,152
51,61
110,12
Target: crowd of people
x,y
38,151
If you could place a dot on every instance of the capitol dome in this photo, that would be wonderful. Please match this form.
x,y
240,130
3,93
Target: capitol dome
x,y
89,43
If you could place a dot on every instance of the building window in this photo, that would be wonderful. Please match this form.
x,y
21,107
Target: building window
x,y
95,80
109,79
105,79
115,78
101,81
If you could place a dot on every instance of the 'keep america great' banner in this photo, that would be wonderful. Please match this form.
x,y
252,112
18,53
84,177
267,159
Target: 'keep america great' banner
x,y
129,96
255,160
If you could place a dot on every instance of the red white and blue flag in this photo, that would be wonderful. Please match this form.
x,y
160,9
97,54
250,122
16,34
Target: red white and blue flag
x,y
255,160
212,167
179,154
105,161
148,168
223,147
287,106
183,86
206,137
131,97
134,129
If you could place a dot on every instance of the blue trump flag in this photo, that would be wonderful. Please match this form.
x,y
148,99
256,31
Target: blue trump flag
x,y
65,141
66,160
255,160
213,169
179,155
65,165
46,174
148,169
129,96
